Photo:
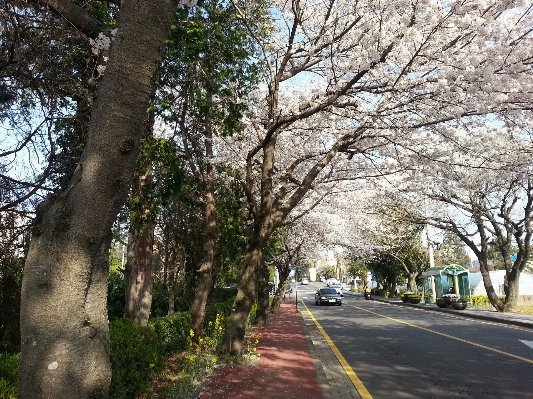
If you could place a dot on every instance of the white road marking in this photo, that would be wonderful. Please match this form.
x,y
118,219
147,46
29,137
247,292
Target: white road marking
x,y
528,343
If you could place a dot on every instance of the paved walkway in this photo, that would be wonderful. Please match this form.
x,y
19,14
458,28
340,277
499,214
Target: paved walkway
x,y
296,362
286,369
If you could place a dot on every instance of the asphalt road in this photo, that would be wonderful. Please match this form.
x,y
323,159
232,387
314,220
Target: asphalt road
x,y
401,352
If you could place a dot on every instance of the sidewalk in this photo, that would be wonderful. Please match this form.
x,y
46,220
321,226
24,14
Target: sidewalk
x,y
515,319
297,363
285,370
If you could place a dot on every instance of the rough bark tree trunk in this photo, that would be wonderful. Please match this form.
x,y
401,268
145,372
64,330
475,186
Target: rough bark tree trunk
x,y
64,326
491,293
511,298
138,274
393,289
236,324
280,294
411,278
263,296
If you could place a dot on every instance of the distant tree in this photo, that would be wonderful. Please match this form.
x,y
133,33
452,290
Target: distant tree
x,y
209,57
499,208
358,269
328,272
387,269
451,251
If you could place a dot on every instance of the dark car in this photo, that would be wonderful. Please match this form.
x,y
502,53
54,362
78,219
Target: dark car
x,y
328,296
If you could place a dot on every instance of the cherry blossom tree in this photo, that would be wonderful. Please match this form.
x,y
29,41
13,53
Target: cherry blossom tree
x,y
492,204
366,79
300,240
64,326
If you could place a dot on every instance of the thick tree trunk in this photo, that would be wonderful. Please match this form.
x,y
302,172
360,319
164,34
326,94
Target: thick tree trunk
x,y
393,288
236,324
491,293
263,297
138,274
282,286
511,298
411,281
64,326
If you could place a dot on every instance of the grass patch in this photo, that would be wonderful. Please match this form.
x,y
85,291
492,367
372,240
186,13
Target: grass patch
x,y
519,309
187,373
525,309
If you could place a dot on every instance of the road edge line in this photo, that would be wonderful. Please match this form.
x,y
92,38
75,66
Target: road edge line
x,y
361,389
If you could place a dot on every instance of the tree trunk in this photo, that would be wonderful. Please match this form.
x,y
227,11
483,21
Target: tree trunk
x,y
205,273
263,297
513,281
236,324
171,300
64,326
138,274
411,278
392,292
282,286
491,293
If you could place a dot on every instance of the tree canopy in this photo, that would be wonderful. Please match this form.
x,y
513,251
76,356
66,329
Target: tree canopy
x,y
333,124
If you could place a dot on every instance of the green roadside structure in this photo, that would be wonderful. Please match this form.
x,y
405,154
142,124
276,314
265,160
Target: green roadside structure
x,y
449,281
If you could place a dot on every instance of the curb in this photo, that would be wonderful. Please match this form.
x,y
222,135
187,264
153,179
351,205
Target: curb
x,y
322,379
332,378
471,315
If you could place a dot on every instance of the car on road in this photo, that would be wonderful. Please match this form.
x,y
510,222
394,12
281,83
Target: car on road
x,y
338,288
327,296
305,281
332,281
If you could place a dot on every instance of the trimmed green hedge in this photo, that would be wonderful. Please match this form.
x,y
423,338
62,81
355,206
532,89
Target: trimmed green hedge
x,y
135,355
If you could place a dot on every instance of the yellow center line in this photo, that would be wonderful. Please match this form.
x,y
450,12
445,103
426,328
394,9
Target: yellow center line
x,y
446,335
349,372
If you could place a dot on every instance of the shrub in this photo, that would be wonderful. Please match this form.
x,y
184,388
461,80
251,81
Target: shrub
x,y
380,292
173,332
480,301
135,355
220,309
7,390
9,365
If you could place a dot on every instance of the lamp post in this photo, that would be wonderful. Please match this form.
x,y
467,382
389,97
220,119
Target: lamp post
x,y
296,294
429,237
